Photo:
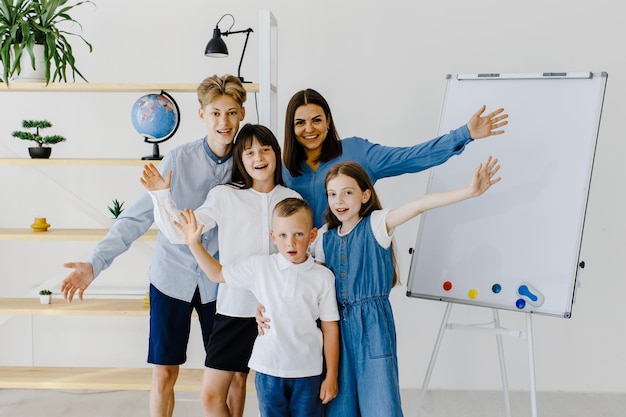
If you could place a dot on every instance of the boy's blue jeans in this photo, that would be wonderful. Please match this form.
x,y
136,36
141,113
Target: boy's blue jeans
x,y
288,397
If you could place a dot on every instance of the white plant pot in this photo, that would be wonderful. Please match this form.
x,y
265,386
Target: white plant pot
x,y
28,74
45,299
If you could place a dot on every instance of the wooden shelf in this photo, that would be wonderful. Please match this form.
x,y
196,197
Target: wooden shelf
x,y
27,377
87,307
109,87
75,162
66,234
138,379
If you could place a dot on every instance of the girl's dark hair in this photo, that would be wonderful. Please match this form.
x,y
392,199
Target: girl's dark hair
x,y
294,152
244,140
356,171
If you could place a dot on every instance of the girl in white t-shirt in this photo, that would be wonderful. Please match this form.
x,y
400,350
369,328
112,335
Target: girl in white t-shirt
x,y
242,212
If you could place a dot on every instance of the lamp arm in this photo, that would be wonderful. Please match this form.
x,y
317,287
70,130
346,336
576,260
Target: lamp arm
x,y
243,52
229,32
247,32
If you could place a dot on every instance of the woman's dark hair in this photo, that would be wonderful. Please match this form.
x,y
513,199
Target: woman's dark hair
x,y
244,140
294,152
356,171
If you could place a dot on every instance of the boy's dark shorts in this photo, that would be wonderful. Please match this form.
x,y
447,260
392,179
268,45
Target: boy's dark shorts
x,y
231,342
170,325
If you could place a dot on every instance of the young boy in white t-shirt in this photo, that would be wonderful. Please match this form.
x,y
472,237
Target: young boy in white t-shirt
x,y
295,292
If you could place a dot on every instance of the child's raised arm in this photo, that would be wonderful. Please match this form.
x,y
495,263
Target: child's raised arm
x,y
191,232
482,179
165,210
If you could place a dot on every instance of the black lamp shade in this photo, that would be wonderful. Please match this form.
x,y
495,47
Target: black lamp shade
x,y
216,47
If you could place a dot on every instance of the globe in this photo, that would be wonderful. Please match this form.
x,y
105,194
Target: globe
x,y
155,117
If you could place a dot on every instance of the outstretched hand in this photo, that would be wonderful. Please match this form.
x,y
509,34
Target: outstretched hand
x,y
189,226
77,281
484,126
484,176
152,179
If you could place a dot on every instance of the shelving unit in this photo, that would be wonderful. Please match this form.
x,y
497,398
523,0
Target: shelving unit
x,y
53,377
96,377
85,234
82,377
67,234
103,378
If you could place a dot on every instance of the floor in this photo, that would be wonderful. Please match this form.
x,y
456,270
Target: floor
x,y
53,403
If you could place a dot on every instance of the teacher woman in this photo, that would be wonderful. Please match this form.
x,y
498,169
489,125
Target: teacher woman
x,y
312,146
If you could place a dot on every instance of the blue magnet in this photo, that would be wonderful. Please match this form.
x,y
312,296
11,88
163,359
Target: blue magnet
x,y
520,303
530,294
496,288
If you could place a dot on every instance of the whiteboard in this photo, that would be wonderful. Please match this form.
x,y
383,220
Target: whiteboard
x,y
516,247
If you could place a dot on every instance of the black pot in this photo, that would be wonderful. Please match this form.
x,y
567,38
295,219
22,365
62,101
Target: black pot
x,y
42,152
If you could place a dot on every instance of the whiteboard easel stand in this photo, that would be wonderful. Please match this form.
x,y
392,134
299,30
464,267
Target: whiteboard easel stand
x,y
499,331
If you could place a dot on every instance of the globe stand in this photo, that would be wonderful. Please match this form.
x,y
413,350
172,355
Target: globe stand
x,y
155,141
156,156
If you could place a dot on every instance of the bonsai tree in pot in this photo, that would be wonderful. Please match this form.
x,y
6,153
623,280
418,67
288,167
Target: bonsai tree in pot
x,y
24,24
39,151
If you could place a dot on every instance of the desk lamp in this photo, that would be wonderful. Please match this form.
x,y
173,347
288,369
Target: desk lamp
x,y
216,48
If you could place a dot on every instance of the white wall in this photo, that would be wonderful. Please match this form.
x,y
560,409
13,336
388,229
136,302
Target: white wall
x,y
382,66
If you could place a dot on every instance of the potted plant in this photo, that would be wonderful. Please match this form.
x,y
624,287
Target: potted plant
x,y
45,296
39,151
27,26
116,209
12,14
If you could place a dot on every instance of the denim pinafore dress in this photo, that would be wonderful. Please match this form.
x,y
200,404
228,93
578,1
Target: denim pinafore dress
x,y
368,363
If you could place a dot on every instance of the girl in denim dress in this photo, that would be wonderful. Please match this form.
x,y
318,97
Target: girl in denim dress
x,y
356,246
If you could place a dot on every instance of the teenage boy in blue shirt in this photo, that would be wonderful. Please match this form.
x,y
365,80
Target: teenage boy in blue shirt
x,y
177,284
